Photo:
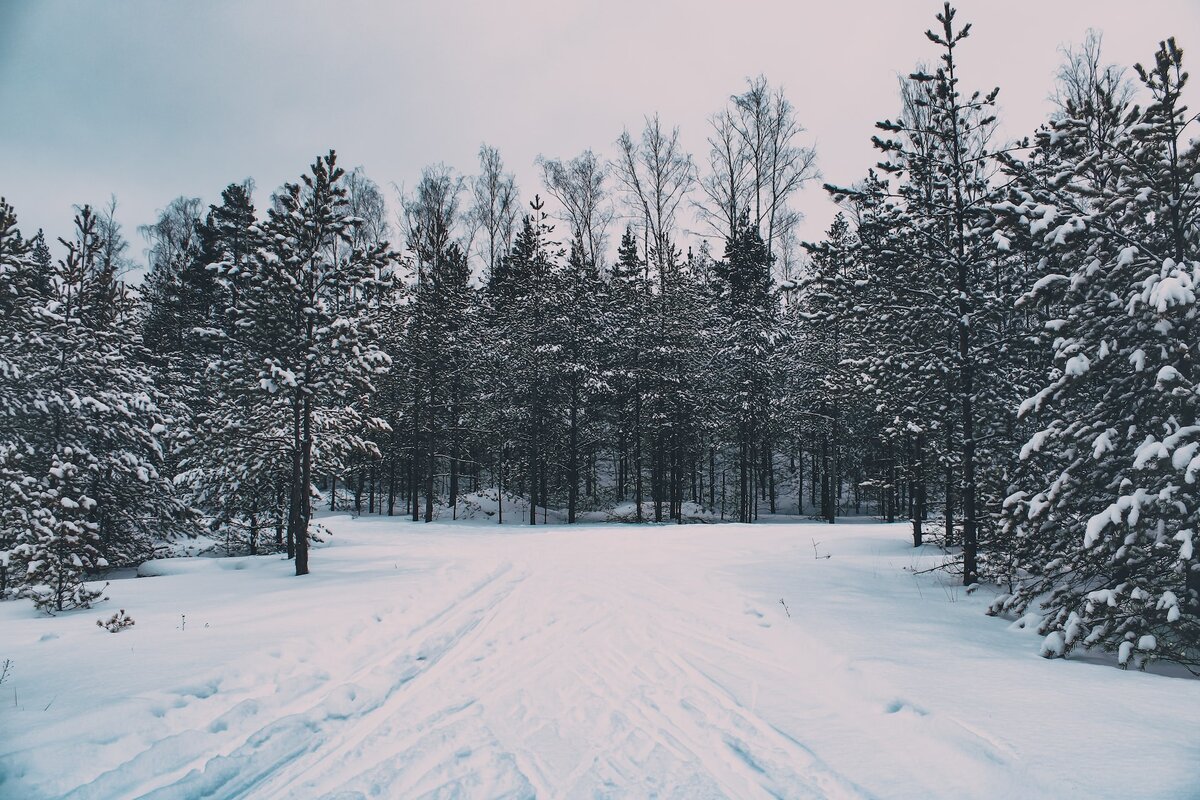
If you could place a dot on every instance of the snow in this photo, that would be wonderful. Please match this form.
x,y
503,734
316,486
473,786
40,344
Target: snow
x,y
1167,374
1102,444
1054,645
469,660
1173,288
1047,280
1138,359
1185,544
1034,444
1077,365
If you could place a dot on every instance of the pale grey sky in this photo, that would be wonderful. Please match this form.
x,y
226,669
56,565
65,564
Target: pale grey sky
x,y
150,99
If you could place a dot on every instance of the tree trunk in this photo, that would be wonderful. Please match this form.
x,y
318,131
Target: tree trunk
x,y
297,472
533,465
949,541
371,491
769,463
637,454
573,456
391,499
430,469
915,496
305,509
826,489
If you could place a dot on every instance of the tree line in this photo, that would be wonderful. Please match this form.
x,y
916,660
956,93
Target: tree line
x,y
992,341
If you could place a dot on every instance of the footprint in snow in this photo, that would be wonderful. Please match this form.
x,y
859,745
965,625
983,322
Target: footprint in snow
x,y
199,691
897,706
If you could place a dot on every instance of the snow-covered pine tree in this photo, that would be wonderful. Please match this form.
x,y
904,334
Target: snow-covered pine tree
x,y
943,165
178,293
102,401
22,298
749,306
574,324
44,263
1105,511
303,333
61,540
178,296
829,323
436,359
519,295
626,361
78,392
687,343
231,454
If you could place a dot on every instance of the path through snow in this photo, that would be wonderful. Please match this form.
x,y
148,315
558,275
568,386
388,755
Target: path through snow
x,y
611,661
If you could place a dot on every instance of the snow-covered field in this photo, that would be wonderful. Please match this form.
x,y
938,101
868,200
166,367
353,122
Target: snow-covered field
x,y
611,661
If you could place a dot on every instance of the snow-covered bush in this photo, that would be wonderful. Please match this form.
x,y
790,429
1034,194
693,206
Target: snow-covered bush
x,y
116,623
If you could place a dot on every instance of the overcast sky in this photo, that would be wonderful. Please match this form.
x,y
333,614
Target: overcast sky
x,y
148,99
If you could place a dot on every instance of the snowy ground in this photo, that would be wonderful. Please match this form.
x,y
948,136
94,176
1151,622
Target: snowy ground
x,y
612,661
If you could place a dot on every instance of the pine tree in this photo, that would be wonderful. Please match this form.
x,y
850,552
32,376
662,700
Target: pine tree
x,y
829,320
1104,510
80,453
941,162
437,361
230,455
102,402
44,263
574,325
22,297
749,307
520,296
628,363
302,338
61,540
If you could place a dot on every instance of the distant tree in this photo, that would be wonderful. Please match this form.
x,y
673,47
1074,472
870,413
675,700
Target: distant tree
x,y
756,165
748,309
578,186
494,209
656,174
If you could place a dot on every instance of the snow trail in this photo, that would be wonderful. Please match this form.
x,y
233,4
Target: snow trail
x,y
601,662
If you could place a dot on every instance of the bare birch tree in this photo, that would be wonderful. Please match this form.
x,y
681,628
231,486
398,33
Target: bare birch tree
x,y
495,207
578,186
756,164
656,174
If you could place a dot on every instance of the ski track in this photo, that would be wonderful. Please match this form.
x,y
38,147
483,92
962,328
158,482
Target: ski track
x,y
408,720
540,674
